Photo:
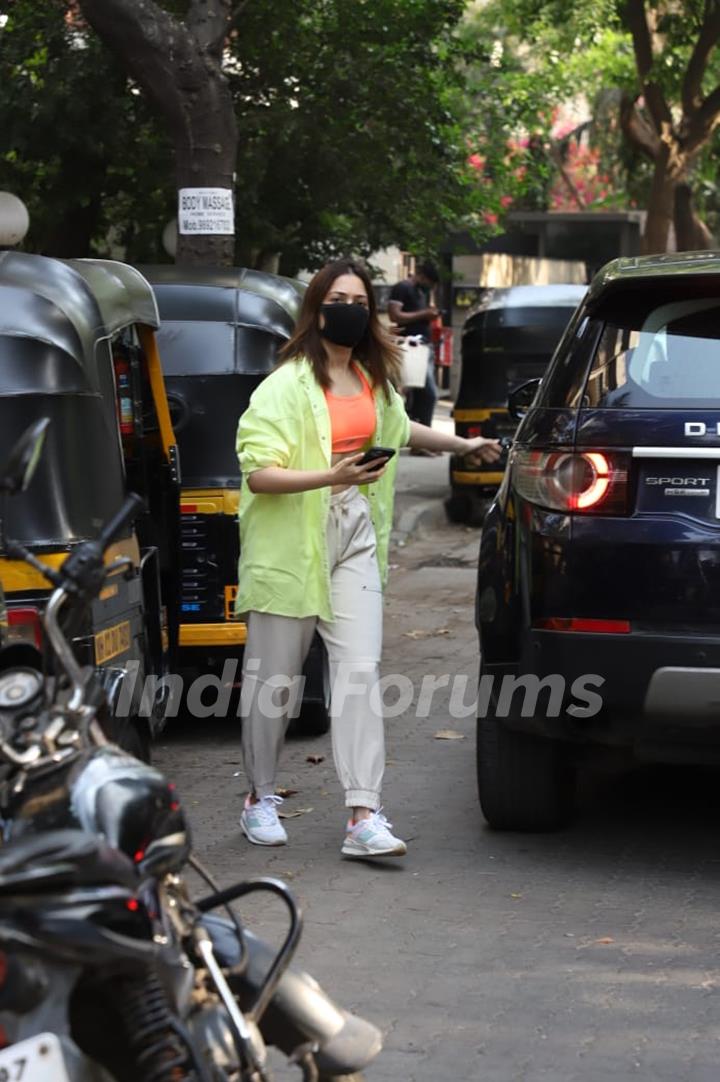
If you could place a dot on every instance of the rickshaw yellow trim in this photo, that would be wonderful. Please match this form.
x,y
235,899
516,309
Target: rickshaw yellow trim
x,y
476,415
476,477
157,385
212,634
17,576
211,501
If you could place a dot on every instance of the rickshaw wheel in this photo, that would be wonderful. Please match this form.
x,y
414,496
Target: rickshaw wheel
x,y
130,734
467,507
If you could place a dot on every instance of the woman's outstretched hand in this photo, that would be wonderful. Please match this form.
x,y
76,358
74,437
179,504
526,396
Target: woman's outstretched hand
x,y
481,449
348,472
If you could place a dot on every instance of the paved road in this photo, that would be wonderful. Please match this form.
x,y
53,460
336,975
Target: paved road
x,y
588,955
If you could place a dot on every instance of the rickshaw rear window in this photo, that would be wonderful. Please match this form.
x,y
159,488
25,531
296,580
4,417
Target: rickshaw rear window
x,y
545,316
210,348
190,348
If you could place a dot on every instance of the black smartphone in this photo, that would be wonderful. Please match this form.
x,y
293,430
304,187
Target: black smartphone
x,y
375,452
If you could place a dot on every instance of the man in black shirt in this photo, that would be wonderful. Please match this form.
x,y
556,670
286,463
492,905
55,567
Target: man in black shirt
x,y
410,309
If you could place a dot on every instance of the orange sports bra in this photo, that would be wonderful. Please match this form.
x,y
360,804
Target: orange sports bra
x,y
352,418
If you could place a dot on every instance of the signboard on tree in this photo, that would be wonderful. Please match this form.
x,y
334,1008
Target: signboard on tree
x,y
205,211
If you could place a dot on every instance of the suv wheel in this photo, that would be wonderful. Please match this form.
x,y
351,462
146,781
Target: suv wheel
x,y
524,782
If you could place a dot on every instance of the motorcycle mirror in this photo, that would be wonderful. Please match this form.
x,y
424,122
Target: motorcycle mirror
x,y
24,457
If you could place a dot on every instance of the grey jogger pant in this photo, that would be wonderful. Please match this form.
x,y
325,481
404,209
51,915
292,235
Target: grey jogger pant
x,y
276,649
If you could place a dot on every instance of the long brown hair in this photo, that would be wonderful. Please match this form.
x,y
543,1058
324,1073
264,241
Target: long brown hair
x,y
376,349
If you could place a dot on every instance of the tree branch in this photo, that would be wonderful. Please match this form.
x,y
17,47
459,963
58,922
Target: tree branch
x,y
706,42
209,21
161,55
637,130
151,45
701,122
636,20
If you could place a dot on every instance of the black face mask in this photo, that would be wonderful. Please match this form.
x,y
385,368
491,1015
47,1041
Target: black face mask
x,y
345,324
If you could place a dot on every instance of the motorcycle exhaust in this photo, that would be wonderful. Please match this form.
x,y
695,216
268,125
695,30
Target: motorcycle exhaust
x,y
300,1012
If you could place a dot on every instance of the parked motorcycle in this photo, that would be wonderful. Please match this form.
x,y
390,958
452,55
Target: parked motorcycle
x,y
109,971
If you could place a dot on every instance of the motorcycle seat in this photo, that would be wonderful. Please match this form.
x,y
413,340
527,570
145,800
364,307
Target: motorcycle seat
x,y
59,859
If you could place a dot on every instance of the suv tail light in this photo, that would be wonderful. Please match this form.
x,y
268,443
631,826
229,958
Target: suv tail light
x,y
594,482
24,626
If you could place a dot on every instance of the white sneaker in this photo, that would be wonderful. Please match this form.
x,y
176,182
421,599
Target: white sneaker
x,y
371,837
260,824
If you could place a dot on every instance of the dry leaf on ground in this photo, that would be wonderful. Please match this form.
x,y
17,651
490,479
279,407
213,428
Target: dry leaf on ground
x,y
315,759
426,633
293,814
449,734
285,793
605,939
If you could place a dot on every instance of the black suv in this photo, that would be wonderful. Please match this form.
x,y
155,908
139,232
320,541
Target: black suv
x,y
598,602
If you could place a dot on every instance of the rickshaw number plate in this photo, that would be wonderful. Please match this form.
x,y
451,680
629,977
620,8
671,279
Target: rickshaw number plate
x,y
35,1060
230,595
110,643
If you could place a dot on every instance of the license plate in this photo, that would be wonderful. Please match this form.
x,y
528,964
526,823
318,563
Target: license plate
x,y
110,643
38,1059
687,487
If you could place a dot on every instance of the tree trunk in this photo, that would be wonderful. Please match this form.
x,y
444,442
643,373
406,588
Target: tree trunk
x,y
179,67
205,158
660,210
671,142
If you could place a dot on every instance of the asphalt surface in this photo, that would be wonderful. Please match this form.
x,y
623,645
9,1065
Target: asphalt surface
x,y
591,954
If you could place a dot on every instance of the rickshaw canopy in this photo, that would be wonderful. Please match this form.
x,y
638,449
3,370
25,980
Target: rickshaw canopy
x,y
220,335
69,306
256,310
509,337
57,319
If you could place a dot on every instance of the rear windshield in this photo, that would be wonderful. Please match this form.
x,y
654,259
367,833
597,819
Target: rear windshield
x,y
657,358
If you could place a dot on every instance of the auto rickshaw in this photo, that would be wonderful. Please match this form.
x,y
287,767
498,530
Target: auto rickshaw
x,y
219,337
77,345
507,339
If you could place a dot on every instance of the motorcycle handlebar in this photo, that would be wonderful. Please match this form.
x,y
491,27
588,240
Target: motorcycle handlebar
x,y
129,511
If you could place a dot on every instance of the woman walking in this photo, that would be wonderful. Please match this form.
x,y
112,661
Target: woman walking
x,y
314,532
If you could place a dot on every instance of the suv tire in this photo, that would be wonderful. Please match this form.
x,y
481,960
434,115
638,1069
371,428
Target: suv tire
x,y
525,783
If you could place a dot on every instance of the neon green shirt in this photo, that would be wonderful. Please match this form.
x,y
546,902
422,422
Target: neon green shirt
x,y
283,552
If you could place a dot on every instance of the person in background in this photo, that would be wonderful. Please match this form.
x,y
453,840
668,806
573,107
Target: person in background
x,y
314,531
411,310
